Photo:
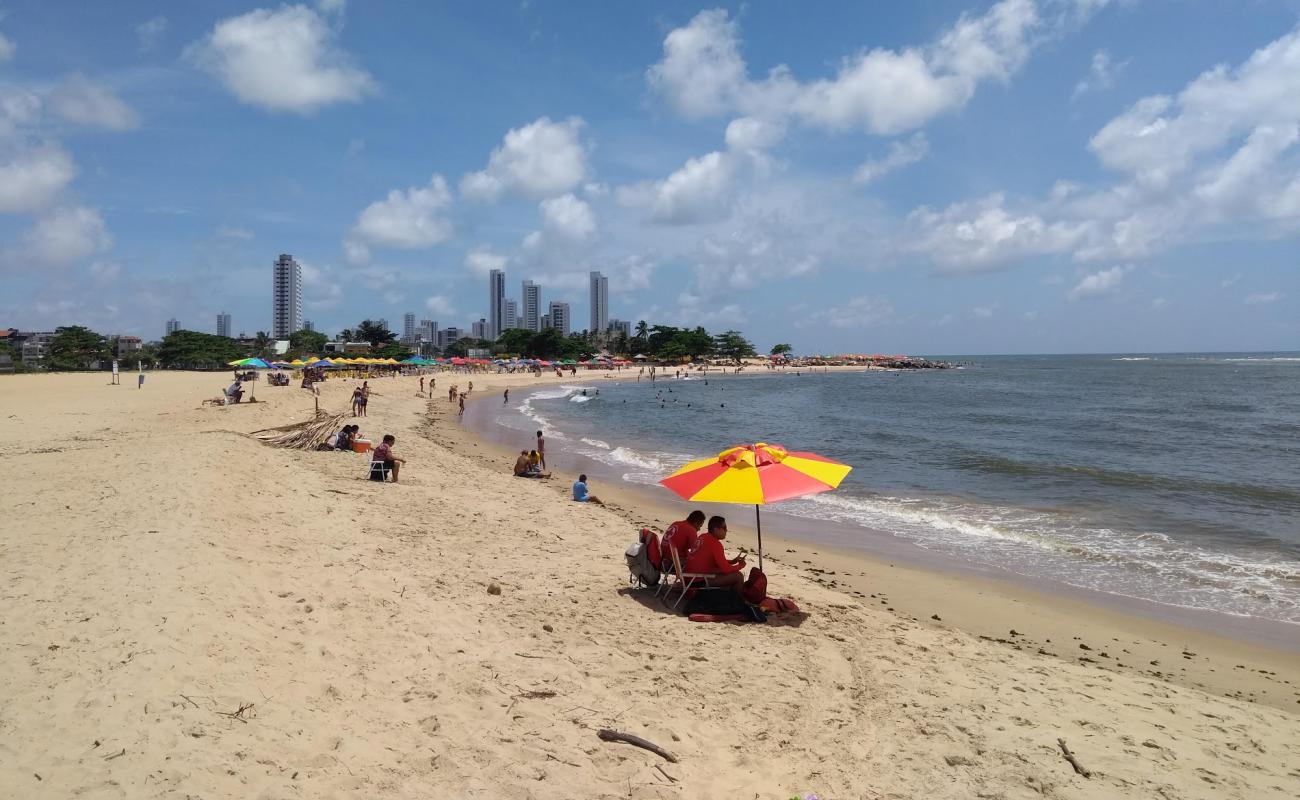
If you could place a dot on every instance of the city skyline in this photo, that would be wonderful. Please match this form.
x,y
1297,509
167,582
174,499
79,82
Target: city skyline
x,y
994,177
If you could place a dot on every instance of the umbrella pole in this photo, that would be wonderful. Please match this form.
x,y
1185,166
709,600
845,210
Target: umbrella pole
x,y
758,523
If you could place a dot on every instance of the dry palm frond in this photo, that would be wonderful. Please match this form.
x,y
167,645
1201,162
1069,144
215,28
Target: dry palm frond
x,y
302,435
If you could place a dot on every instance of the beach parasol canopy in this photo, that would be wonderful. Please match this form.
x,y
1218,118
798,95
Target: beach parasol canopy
x,y
250,363
756,474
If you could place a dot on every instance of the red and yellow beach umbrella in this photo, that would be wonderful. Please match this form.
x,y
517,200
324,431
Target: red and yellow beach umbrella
x,y
756,474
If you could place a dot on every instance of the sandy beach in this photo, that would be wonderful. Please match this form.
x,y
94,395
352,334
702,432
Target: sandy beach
x,y
190,612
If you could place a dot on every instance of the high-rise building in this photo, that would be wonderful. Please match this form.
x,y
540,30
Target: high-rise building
x,y
173,325
511,317
408,328
560,319
496,303
383,323
286,316
478,329
223,324
532,301
617,326
599,302
307,325
429,331
449,335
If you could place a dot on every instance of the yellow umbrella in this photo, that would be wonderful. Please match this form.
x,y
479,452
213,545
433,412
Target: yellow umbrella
x,y
756,474
297,362
391,360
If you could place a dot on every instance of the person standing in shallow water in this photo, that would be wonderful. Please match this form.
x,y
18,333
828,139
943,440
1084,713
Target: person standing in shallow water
x,y
541,448
506,396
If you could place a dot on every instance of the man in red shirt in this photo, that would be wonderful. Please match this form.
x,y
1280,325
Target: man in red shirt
x,y
681,537
708,558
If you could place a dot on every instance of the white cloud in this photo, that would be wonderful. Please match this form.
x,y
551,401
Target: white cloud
x,y
1100,283
411,219
568,217
65,236
970,237
1158,304
439,304
1261,299
482,261
698,192
79,99
282,60
150,31
1231,281
323,289
228,232
1159,137
752,135
1101,73
6,49
981,312
901,154
104,272
31,179
541,159
862,311
18,109
883,91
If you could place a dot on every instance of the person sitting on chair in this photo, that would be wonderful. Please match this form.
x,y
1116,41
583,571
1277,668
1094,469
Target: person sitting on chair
x,y
384,454
681,536
708,558
235,391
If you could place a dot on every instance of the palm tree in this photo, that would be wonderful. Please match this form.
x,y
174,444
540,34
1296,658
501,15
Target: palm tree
x,y
376,334
261,344
642,330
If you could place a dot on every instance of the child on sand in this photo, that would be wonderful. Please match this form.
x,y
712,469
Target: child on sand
x,y
580,493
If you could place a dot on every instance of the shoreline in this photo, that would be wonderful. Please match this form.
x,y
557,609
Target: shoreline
x,y
1219,653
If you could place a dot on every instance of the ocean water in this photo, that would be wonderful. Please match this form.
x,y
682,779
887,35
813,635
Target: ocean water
x,y
1169,478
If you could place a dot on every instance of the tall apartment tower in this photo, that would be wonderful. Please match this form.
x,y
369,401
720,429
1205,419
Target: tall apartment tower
x,y
510,319
599,303
408,328
286,316
496,303
560,319
173,325
223,324
532,301
478,330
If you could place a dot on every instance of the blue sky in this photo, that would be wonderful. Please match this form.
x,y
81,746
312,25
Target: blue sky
x,y
939,177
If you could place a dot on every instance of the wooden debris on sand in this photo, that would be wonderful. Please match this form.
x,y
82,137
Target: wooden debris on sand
x,y
307,435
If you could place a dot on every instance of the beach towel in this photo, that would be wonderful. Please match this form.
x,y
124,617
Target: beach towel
x,y
779,605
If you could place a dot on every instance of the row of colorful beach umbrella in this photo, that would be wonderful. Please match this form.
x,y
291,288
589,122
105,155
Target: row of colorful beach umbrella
x,y
416,361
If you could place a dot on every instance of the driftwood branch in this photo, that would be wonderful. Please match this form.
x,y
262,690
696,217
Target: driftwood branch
x,y
610,735
1074,762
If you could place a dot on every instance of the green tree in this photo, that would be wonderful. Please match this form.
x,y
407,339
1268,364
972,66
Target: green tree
x,y
461,346
514,341
781,349
642,331
374,333
194,350
261,345
305,342
733,346
75,347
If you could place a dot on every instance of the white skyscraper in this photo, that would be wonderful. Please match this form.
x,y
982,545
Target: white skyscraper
x,y
496,303
560,319
599,303
510,319
286,316
408,328
532,300
223,324
478,330
173,325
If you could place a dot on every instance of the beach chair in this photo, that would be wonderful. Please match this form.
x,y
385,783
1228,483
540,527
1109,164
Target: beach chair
x,y
685,581
378,468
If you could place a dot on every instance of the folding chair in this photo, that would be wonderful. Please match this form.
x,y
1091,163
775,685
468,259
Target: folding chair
x,y
685,580
377,467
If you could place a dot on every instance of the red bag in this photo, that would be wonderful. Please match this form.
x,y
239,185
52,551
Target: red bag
x,y
755,589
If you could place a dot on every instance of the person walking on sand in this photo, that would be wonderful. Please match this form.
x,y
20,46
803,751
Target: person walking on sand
x,y
541,448
356,401
421,384
461,413
580,493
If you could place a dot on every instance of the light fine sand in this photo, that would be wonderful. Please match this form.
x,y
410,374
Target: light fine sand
x,y
190,613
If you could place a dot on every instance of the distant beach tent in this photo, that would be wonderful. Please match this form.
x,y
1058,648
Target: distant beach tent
x,y
756,474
